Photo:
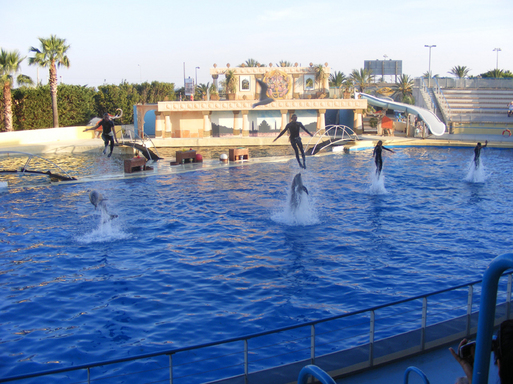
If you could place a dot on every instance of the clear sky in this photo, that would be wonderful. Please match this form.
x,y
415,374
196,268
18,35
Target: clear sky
x,y
148,40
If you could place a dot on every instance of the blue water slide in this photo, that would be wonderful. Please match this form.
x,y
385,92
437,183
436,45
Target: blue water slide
x,y
433,123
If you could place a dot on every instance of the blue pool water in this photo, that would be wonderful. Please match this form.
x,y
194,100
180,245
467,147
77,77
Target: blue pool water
x,y
217,253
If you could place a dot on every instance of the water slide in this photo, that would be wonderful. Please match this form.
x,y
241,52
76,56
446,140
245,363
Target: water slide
x,y
433,123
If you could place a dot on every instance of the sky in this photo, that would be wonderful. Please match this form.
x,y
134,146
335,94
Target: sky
x,y
164,40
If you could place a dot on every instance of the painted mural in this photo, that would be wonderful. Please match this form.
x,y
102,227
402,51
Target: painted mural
x,y
279,84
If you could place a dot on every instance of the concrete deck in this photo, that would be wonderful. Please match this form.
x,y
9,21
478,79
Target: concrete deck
x,y
367,140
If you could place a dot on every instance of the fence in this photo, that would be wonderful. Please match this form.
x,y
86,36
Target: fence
x,y
339,344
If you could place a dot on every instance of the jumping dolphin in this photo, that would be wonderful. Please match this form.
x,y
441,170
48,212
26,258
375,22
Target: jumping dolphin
x,y
296,190
97,200
264,99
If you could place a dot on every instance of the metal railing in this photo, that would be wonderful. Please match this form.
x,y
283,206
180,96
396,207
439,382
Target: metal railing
x,y
503,83
331,135
426,91
129,136
445,109
317,342
62,176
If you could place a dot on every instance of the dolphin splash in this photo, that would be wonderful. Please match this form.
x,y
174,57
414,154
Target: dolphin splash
x,y
97,200
296,191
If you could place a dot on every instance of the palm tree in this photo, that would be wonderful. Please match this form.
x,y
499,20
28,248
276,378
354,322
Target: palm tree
x,y
251,63
230,82
403,90
201,91
494,74
427,75
460,71
347,86
321,75
362,78
337,80
284,63
9,67
52,54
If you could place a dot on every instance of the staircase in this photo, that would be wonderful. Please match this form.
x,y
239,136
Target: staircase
x,y
478,105
475,110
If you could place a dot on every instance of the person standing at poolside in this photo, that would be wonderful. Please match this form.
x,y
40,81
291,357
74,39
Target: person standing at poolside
x,y
510,109
108,132
295,140
377,156
477,152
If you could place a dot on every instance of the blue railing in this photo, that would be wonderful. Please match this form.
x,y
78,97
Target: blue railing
x,y
487,316
418,372
309,342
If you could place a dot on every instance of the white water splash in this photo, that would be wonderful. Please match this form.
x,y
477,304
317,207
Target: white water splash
x,y
377,182
476,174
109,229
304,214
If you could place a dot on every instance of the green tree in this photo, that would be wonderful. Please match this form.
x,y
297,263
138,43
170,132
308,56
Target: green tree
x,y
251,63
230,81
337,80
124,96
427,75
161,92
321,75
284,63
361,78
32,107
460,71
497,74
9,66
403,90
52,55
201,91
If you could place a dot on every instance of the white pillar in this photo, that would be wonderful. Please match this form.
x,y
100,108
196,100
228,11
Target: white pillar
x,y
283,118
245,123
207,124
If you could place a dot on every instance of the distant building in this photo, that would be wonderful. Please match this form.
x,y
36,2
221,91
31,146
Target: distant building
x,y
384,67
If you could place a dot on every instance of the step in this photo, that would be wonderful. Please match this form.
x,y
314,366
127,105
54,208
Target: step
x,y
480,110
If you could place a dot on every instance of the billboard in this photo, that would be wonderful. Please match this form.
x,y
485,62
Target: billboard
x,y
189,87
384,67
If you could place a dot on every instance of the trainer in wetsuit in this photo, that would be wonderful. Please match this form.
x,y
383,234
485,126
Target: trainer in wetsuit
x,y
377,156
295,140
108,132
477,152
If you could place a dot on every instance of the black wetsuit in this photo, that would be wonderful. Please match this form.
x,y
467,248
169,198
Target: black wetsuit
x,y
477,153
294,128
377,157
107,134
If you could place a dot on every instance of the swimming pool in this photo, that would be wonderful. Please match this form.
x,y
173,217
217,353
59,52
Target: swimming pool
x,y
216,253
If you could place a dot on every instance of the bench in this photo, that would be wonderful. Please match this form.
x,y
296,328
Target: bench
x,y
238,154
135,164
181,156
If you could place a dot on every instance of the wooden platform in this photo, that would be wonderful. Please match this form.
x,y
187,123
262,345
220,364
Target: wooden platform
x,y
185,156
135,164
238,154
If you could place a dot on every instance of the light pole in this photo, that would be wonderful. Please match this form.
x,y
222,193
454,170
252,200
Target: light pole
x,y
429,46
498,50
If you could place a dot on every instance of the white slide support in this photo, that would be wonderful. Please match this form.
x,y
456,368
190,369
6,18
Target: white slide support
x,y
433,123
